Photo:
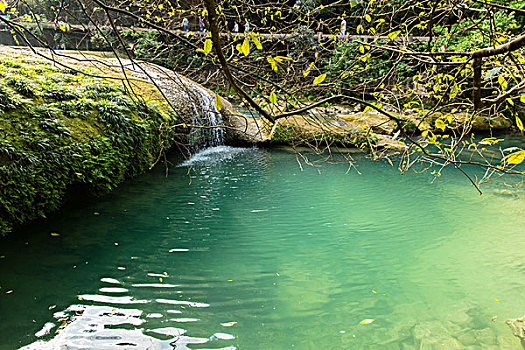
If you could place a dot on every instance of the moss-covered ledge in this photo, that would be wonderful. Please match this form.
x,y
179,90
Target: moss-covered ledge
x,y
61,128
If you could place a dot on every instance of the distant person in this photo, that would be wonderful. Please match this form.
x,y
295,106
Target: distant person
x,y
343,26
201,24
236,27
320,28
185,24
247,26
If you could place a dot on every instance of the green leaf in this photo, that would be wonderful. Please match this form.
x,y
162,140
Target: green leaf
x,y
319,79
502,82
519,123
218,102
256,41
273,97
207,46
245,47
514,158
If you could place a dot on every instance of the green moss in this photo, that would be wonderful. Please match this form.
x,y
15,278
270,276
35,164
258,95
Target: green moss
x,y
60,128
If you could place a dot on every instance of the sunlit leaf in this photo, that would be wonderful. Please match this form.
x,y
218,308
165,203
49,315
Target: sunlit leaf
x,y
360,29
440,124
273,97
307,70
207,46
218,102
245,47
256,41
368,18
519,123
228,324
502,82
514,158
394,35
319,79
280,59
3,6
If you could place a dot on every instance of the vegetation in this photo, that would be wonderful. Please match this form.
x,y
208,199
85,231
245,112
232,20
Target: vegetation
x,y
433,70
62,130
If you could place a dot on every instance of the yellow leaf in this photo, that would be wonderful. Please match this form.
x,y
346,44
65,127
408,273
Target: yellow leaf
x,y
394,35
514,158
307,71
519,123
51,307
522,98
440,124
3,6
273,97
368,18
245,47
319,79
374,292
228,324
367,321
502,82
54,234
207,46
160,279
256,41
360,29
218,102
280,59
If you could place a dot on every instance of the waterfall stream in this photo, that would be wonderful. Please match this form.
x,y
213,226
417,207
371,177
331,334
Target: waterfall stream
x,y
207,130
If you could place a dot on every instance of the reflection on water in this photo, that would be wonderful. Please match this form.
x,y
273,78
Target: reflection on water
x,y
250,252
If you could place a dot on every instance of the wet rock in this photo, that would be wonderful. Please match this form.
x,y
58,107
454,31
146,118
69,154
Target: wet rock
x,y
518,327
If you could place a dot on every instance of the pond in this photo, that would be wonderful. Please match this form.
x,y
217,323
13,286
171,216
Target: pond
x,y
248,251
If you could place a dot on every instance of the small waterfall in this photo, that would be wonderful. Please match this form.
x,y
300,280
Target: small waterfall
x,y
207,130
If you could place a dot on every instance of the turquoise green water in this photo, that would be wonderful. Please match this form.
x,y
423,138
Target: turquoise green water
x,y
297,258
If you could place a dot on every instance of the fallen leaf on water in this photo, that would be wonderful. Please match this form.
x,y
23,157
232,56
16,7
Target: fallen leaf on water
x,y
51,307
230,280
373,291
496,299
494,318
228,324
160,279
96,213
367,321
54,234
9,291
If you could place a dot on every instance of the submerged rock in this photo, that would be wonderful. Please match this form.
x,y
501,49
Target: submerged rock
x,y
518,327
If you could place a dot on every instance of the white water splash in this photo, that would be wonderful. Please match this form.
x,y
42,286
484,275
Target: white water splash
x,y
214,155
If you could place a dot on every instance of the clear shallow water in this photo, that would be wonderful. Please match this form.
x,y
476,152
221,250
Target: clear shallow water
x,y
297,258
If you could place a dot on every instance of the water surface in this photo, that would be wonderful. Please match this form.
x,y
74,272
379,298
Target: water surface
x,y
248,251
